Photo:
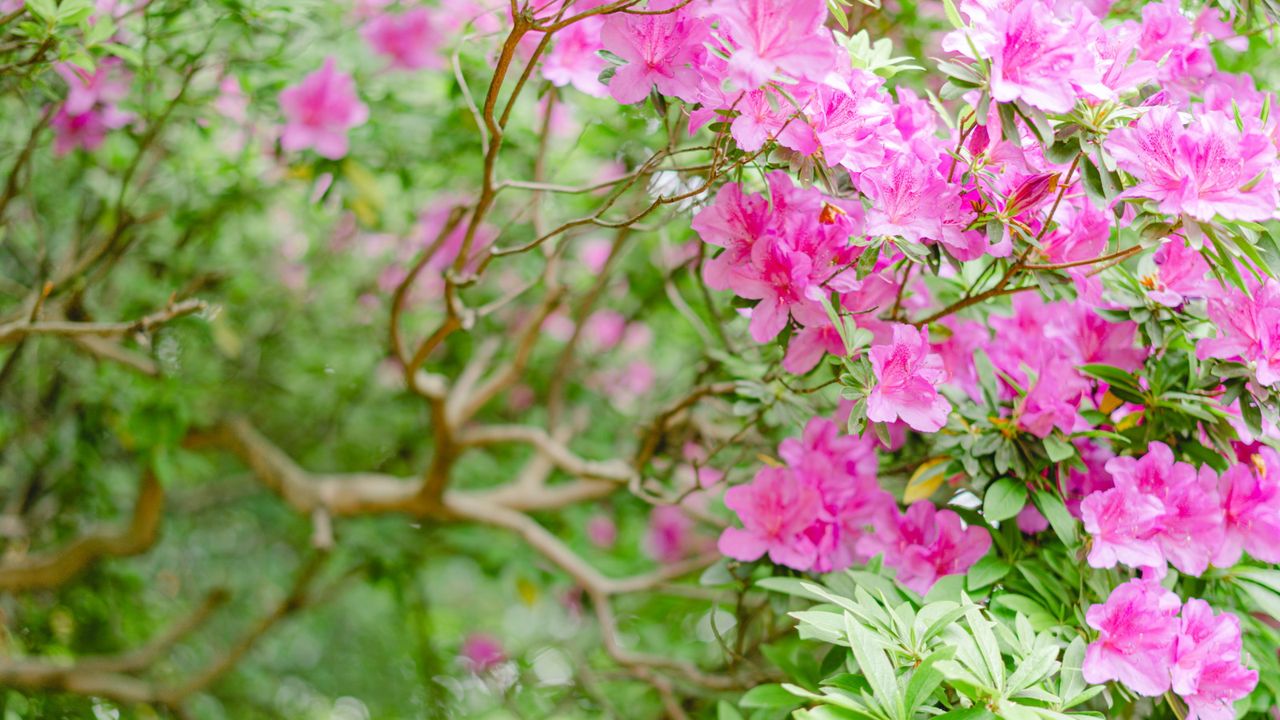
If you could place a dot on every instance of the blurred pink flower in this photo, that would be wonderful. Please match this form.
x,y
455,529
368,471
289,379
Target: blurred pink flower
x,y
320,110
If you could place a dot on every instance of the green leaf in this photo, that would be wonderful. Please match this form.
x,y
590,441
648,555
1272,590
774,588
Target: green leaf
x,y
725,711
987,571
1058,449
1004,499
789,586
1071,676
867,650
953,14
127,54
768,696
925,679
980,626
1055,511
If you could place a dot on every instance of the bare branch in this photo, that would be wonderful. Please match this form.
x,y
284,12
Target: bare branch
x,y
14,331
53,568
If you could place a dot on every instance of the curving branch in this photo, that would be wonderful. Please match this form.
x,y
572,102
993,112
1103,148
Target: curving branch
x,y
106,675
55,567
112,677
19,329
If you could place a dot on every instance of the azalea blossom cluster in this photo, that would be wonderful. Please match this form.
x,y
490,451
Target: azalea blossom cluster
x,y
1153,643
1161,510
822,509
91,108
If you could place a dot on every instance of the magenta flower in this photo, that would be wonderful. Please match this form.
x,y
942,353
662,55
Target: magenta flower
x,y
670,536
772,37
1190,528
659,50
776,509
1053,400
1251,510
1137,627
924,544
905,199
320,110
1123,527
90,110
1177,274
575,59
1206,671
1206,169
481,652
849,127
1250,330
409,39
908,375
105,86
1041,60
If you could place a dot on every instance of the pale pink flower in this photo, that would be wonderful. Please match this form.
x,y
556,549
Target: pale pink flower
x,y
776,37
481,652
924,544
1251,510
90,109
1190,529
408,39
659,50
320,110
1137,627
908,375
1123,527
1175,275
1041,59
1249,330
1207,672
1203,170
574,59
776,509
602,531
670,536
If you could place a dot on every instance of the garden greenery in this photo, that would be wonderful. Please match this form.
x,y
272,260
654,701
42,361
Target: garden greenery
x,y
640,358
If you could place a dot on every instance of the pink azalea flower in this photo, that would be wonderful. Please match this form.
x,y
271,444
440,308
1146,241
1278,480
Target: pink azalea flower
x,y
1053,400
758,120
908,375
1123,527
87,130
809,345
906,198
776,509
574,59
1206,670
924,544
772,37
231,103
1040,59
1177,274
105,86
1137,627
1206,169
602,531
1251,510
1189,530
1082,234
90,110
1249,330
320,110
849,127
409,39
481,652
659,50
670,535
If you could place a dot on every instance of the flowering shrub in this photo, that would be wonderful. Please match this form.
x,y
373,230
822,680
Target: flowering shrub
x,y
683,358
